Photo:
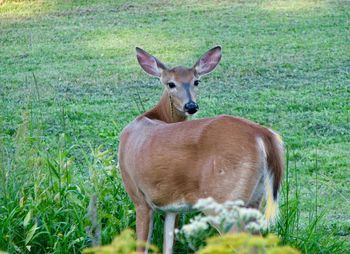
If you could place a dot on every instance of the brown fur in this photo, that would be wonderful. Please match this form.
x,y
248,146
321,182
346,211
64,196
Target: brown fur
x,y
171,162
185,161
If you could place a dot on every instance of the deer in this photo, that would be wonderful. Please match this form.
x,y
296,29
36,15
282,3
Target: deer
x,y
167,163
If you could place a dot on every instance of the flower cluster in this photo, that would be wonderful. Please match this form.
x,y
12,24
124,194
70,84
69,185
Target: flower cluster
x,y
231,215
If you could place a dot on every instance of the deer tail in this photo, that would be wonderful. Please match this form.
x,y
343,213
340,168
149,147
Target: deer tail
x,y
274,167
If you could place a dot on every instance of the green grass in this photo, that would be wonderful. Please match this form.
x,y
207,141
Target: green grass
x,y
69,83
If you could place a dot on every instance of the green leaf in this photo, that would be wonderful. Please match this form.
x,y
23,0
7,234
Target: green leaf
x,y
53,168
27,218
31,233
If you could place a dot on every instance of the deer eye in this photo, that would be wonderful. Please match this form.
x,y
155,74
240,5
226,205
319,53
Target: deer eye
x,y
171,85
196,82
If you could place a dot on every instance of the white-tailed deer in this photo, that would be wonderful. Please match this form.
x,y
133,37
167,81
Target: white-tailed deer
x,y
168,163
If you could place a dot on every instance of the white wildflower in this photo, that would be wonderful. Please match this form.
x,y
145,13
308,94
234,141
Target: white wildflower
x,y
248,214
201,225
204,203
224,216
216,220
196,225
188,229
253,227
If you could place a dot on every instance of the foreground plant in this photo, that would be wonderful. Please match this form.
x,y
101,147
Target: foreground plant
x,y
242,243
231,215
247,244
226,217
125,243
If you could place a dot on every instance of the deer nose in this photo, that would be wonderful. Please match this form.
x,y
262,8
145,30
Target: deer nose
x,y
191,107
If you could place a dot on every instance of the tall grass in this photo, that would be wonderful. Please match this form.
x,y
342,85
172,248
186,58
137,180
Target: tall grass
x,y
44,196
308,235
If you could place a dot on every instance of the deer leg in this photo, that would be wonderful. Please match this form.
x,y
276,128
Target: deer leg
x,y
177,222
169,226
150,231
144,218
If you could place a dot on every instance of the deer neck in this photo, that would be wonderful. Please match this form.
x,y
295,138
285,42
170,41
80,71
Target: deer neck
x,y
166,111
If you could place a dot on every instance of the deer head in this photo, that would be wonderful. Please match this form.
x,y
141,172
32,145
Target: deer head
x,y
180,82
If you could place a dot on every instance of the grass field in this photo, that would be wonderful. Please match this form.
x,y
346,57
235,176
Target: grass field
x,y
69,82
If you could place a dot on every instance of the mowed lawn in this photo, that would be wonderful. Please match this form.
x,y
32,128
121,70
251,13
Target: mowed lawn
x,y
69,83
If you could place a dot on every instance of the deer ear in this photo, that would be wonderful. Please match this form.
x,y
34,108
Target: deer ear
x,y
208,61
149,63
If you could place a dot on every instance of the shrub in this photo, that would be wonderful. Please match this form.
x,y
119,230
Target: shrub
x,y
125,243
244,243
